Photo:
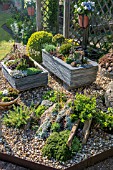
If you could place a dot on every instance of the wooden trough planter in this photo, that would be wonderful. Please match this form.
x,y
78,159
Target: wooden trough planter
x,y
35,166
73,77
28,82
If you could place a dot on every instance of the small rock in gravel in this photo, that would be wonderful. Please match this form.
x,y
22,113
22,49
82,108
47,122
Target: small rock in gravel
x,y
46,103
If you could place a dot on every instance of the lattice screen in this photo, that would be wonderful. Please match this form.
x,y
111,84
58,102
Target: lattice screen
x,y
44,11
100,27
61,10
50,11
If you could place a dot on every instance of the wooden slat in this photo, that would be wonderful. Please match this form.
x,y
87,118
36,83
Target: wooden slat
x,y
86,130
72,133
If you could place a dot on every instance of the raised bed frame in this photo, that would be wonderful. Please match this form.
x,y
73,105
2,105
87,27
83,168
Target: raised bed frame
x,y
28,82
79,166
73,77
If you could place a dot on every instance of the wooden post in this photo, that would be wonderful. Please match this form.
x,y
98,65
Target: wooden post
x,y
57,27
86,130
72,133
0,127
66,18
22,2
85,40
38,15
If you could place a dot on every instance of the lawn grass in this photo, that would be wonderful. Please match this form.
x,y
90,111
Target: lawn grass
x,y
6,40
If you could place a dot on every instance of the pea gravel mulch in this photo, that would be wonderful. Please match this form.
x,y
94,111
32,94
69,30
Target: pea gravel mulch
x,y
98,87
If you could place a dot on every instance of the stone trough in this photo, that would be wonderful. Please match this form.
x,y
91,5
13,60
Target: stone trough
x,y
28,82
72,77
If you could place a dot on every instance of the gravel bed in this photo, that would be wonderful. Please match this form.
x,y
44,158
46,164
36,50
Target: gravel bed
x,y
28,146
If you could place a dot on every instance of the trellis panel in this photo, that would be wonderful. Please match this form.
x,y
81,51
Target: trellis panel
x,y
100,26
50,21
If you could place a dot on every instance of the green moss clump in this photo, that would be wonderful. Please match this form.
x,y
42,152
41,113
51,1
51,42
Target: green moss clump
x,y
57,148
32,70
36,42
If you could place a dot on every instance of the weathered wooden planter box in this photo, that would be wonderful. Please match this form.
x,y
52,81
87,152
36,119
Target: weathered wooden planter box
x,y
28,82
73,77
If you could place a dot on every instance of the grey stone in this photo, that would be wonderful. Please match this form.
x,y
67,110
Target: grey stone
x,y
73,77
46,103
109,95
28,82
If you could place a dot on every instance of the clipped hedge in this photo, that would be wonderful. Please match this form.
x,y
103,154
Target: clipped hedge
x,y
36,43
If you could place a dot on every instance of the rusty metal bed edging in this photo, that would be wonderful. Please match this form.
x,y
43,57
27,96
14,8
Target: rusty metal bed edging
x,y
36,166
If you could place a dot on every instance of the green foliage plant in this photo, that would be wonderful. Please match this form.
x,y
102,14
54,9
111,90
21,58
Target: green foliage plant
x,y
54,96
32,70
51,15
17,117
58,39
57,148
13,92
57,108
105,119
55,127
6,99
8,94
50,48
1,94
36,42
40,110
21,25
22,65
65,48
84,107
69,60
